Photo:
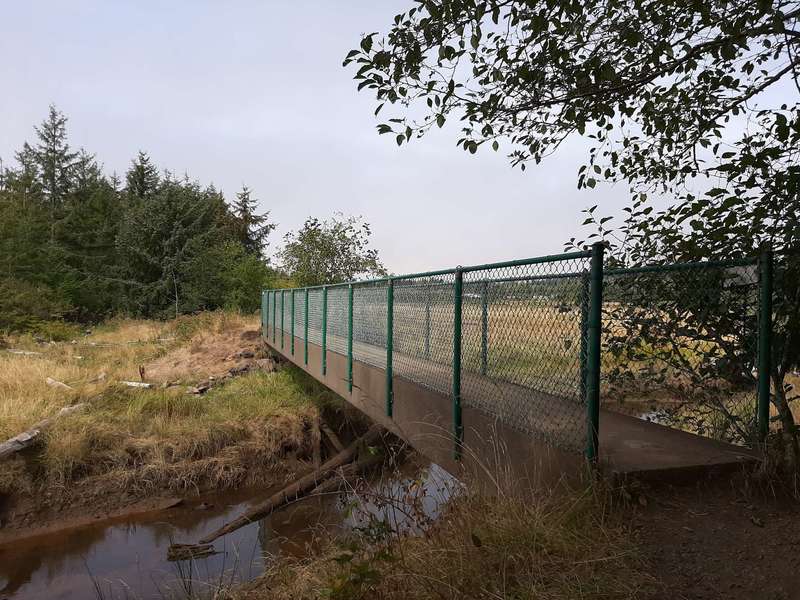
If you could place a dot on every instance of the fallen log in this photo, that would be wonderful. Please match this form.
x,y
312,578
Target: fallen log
x,y
23,352
189,551
29,437
332,437
299,487
316,442
137,384
57,384
346,475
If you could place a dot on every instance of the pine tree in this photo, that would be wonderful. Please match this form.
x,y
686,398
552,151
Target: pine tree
x,y
54,158
252,229
142,178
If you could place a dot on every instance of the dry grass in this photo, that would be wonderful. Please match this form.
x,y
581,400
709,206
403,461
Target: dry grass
x,y
555,547
137,441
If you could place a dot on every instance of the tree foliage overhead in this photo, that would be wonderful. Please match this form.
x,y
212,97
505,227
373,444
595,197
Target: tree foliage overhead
x,y
330,251
691,100
652,83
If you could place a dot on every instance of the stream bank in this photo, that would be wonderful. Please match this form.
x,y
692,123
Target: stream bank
x,y
126,557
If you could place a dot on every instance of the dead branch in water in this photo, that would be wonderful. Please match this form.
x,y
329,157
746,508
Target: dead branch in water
x,y
29,437
299,487
346,475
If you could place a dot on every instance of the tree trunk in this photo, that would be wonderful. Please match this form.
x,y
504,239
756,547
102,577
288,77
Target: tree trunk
x,y
788,427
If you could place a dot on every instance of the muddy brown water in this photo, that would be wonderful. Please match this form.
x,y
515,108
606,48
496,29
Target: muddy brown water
x,y
126,558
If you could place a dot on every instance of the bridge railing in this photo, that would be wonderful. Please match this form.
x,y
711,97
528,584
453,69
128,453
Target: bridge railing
x,y
536,342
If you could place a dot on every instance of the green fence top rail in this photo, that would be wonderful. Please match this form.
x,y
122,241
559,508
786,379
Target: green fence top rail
x,y
497,265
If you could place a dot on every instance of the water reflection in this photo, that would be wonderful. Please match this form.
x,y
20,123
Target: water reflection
x,y
406,502
126,559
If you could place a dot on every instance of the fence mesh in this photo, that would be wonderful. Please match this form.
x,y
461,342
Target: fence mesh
x,y
315,316
679,343
337,319
521,347
680,347
299,315
369,323
423,331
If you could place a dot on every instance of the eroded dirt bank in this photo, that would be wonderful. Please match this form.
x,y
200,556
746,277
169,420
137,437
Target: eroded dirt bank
x,y
210,410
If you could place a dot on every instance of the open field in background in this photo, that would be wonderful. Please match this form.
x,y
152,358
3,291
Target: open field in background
x,y
133,442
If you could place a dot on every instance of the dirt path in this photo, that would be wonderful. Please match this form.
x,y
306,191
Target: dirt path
x,y
715,542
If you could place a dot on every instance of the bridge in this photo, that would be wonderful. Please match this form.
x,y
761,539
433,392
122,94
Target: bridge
x,y
498,364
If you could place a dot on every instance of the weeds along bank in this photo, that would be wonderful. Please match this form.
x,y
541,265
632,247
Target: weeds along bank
x,y
559,546
131,442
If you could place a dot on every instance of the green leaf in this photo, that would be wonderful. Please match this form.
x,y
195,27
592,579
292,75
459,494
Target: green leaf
x,y
366,42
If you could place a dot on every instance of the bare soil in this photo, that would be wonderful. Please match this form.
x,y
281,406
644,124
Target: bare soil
x,y
718,541
210,356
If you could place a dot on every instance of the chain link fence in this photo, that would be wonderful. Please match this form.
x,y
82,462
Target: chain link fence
x,y
680,347
538,343
523,332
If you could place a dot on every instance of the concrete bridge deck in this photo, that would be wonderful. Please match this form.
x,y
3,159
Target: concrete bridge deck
x,y
538,435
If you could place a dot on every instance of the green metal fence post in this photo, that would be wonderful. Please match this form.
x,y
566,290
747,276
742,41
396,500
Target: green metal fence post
x,y
350,338
389,347
274,313
305,332
264,313
283,316
764,340
584,332
594,333
291,321
324,330
428,293
458,429
484,327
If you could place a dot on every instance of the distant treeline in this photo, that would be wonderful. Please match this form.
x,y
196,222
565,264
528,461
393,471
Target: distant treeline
x,y
76,243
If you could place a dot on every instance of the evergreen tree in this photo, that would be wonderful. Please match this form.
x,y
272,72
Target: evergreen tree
x,y
142,178
54,158
75,244
159,236
252,229
87,240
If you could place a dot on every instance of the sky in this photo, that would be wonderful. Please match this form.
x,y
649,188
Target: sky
x,y
254,93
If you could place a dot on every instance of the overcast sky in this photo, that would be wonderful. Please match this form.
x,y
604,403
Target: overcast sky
x,y
254,92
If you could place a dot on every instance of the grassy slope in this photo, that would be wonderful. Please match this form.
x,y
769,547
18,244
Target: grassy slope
x,y
138,441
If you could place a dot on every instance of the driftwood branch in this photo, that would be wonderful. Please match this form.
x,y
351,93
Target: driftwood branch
x,y
332,437
29,437
137,384
299,487
316,442
346,475
57,384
